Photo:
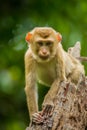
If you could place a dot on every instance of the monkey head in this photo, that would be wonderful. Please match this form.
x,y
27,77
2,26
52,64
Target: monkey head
x,y
43,42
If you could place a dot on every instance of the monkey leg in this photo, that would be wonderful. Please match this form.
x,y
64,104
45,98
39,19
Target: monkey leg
x,y
76,75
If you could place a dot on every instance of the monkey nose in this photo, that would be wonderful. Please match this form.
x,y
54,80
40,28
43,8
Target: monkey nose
x,y
44,51
43,54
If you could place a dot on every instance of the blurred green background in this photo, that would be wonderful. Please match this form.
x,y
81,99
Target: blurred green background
x,y
17,17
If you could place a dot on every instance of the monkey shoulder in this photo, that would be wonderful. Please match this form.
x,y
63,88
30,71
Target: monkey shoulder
x,y
29,62
28,53
28,56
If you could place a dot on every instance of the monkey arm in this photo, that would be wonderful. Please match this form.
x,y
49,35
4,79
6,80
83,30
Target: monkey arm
x,y
51,93
30,88
60,69
48,106
31,100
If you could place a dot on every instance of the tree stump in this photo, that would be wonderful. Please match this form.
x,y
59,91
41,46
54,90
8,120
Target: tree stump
x,y
70,111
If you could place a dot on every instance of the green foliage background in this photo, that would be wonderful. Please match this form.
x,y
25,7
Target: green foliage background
x,y
17,17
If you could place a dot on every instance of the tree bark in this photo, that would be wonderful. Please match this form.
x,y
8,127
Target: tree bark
x,y
70,111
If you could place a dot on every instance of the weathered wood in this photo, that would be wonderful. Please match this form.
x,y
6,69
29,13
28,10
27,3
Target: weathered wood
x,y
82,58
70,112
75,52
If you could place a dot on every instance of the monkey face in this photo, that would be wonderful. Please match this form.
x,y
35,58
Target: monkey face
x,y
43,43
44,49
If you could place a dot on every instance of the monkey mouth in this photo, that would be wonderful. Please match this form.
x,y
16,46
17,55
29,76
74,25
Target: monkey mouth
x,y
44,57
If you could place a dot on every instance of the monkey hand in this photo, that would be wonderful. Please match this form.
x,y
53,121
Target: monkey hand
x,y
40,117
47,110
37,118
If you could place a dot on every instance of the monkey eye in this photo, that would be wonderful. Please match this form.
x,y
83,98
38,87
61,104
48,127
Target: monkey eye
x,y
40,43
48,43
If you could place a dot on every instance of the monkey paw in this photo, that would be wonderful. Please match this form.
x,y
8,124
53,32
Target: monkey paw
x,y
37,118
42,116
47,110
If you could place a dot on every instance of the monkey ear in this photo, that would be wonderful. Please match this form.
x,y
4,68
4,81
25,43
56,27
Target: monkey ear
x,y
59,37
28,36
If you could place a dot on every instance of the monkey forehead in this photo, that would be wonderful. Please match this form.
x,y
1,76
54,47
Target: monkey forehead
x,y
40,39
43,28
43,31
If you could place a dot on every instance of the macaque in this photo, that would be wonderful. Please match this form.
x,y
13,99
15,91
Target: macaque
x,y
48,63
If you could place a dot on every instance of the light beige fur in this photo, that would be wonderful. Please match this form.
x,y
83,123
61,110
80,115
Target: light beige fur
x,y
59,66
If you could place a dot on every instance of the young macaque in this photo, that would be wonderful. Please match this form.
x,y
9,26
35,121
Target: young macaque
x,y
48,63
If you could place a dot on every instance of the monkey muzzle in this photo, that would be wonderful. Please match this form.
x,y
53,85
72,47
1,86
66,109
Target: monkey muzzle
x,y
44,54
